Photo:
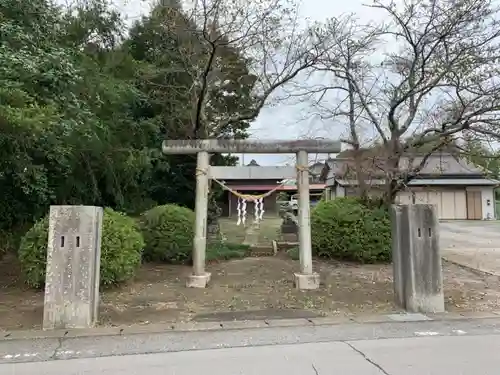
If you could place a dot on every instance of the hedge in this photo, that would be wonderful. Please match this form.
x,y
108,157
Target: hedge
x,y
168,231
348,229
121,250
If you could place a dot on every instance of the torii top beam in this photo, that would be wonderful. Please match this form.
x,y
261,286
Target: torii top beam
x,y
249,146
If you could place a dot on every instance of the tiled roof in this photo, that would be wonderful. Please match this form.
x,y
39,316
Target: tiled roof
x,y
428,182
271,187
439,164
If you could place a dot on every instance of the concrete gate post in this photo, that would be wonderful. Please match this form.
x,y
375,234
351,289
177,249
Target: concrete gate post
x,y
200,278
418,277
306,279
73,264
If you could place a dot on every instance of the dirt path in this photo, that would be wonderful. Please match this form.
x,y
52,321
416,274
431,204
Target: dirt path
x,y
159,295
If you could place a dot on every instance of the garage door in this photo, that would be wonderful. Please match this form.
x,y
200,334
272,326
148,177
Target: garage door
x,y
449,204
454,205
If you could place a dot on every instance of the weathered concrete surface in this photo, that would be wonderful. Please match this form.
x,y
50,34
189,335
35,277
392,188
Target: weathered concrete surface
x,y
73,263
256,315
252,146
33,350
17,351
418,278
474,244
305,359
306,281
465,355
434,355
252,173
200,278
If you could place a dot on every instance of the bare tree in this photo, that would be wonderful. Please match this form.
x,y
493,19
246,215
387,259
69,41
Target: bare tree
x,y
268,33
427,75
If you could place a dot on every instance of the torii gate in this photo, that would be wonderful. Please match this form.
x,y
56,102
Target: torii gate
x,y
306,278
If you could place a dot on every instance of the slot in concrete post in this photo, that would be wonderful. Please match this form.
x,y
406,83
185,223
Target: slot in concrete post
x,y
418,276
73,264
306,279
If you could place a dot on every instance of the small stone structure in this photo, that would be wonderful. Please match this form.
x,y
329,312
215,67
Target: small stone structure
x,y
290,223
306,278
418,277
289,226
213,230
73,263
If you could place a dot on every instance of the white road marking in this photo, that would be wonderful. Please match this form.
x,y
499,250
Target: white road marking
x,y
426,333
19,355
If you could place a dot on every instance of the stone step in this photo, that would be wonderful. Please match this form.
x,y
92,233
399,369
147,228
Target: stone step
x,y
261,251
285,245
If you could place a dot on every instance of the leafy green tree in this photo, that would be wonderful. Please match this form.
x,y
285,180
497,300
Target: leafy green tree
x,y
164,43
69,131
37,110
84,107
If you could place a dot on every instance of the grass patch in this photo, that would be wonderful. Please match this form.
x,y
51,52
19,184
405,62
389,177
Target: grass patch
x,y
226,250
293,253
269,230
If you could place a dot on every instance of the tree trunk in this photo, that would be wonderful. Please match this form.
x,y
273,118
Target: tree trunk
x,y
392,186
360,175
392,192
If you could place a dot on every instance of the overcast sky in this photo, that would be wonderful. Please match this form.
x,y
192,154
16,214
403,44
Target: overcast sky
x,y
284,121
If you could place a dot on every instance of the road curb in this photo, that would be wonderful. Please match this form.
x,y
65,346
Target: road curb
x,y
475,270
238,325
78,345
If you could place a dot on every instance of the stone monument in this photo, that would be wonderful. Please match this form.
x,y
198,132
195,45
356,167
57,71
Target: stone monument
x,y
418,275
73,263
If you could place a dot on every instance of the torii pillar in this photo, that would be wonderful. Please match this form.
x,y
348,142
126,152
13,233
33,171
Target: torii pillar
x,y
306,279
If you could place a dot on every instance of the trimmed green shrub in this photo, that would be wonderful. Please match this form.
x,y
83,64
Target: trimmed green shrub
x,y
168,232
121,249
33,253
346,229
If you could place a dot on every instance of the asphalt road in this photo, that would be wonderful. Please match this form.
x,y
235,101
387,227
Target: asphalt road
x,y
458,347
472,243
466,355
